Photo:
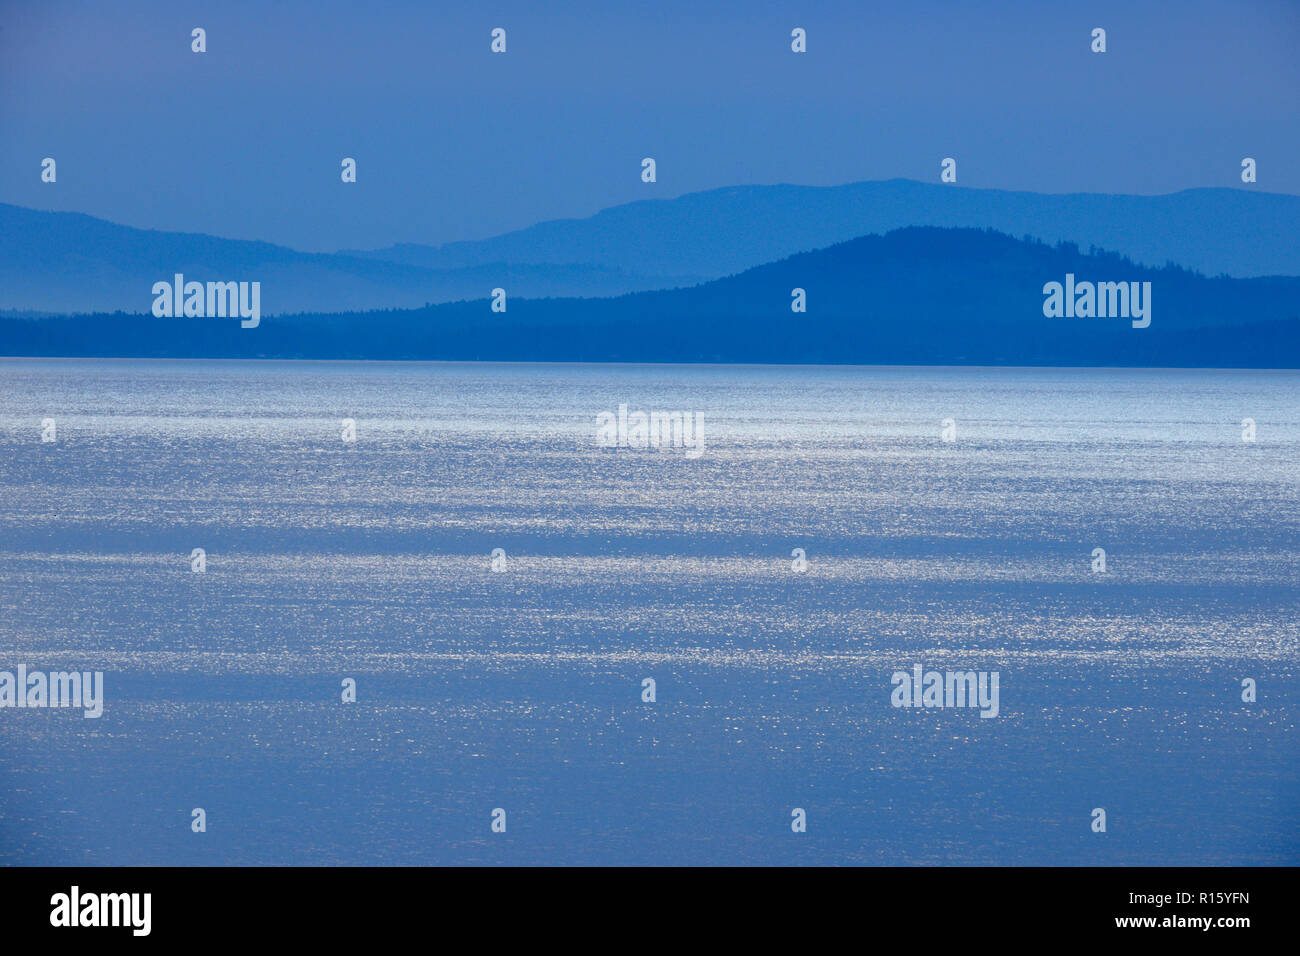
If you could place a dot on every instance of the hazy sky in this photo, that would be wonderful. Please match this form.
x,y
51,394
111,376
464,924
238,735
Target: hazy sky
x,y
454,142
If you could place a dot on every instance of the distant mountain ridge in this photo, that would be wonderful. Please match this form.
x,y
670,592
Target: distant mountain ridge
x,y
920,295
720,232
68,262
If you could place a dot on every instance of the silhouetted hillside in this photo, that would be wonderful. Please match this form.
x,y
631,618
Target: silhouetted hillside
x,y
58,261
1239,232
67,262
914,296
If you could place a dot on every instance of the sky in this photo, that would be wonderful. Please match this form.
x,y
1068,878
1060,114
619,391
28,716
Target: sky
x,y
455,142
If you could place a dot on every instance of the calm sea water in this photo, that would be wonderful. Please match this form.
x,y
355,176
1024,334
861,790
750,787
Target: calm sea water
x,y
522,689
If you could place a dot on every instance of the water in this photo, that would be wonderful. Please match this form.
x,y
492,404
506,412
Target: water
x,y
522,689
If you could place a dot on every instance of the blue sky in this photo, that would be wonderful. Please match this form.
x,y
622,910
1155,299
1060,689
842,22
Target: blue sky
x,y
454,142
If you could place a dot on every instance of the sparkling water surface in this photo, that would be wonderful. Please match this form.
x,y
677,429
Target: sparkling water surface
x,y
522,689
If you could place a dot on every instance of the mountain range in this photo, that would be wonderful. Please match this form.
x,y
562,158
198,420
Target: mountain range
x,y
69,262
723,231
917,295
